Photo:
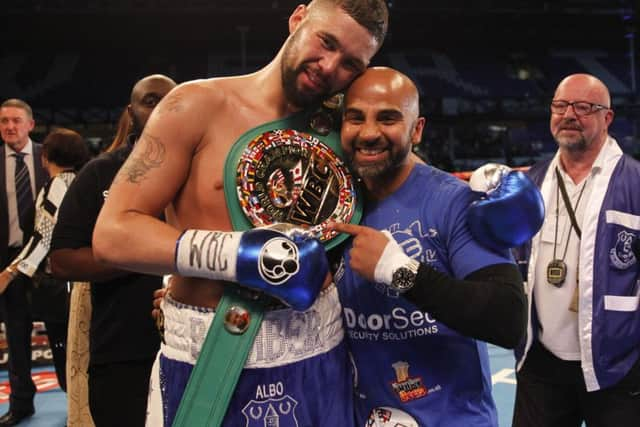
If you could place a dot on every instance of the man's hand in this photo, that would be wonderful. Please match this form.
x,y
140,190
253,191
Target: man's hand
x,y
368,245
158,296
6,277
156,313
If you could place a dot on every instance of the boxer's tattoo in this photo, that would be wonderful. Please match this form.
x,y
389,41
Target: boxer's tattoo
x,y
208,251
172,104
138,164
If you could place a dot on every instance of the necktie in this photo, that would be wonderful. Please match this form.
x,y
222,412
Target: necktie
x,y
24,195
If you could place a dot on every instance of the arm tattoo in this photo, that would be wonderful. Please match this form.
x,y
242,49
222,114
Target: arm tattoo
x,y
138,164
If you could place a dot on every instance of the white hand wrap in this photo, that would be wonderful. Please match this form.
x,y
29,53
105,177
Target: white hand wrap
x,y
392,258
487,177
208,254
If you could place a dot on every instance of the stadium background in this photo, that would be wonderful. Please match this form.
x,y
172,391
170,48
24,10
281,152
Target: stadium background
x,y
486,71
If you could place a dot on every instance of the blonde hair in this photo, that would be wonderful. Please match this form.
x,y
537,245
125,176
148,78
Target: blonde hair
x,y
125,126
18,103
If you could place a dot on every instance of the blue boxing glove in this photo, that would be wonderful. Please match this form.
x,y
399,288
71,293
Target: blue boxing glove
x,y
290,267
510,212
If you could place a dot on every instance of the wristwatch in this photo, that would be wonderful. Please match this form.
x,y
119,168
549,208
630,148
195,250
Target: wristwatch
x,y
404,277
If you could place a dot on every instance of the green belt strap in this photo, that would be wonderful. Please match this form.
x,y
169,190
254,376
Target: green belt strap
x,y
222,357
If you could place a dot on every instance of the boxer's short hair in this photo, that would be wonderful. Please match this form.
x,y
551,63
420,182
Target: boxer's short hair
x,y
371,14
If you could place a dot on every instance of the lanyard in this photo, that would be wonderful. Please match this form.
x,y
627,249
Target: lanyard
x,y
570,210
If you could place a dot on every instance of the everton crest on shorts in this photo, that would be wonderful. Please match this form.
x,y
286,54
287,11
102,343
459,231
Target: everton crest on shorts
x,y
291,171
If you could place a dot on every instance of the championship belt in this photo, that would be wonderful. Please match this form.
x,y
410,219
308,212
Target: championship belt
x,y
286,171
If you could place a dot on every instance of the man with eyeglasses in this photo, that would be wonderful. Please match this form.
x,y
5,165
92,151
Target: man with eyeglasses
x,y
580,361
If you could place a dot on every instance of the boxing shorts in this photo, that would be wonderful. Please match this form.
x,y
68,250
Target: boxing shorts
x,y
297,373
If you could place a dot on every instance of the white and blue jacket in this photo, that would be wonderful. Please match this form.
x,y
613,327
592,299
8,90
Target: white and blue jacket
x,y
609,318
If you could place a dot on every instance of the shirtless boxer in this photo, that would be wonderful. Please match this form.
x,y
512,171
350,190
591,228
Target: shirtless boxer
x,y
179,163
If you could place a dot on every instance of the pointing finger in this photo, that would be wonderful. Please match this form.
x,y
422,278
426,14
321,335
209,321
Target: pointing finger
x,y
342,227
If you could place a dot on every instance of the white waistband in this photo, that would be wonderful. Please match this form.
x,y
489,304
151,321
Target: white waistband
x,y
285,336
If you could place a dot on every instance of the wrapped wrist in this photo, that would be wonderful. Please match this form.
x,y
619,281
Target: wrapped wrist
x,y
392,258
207,254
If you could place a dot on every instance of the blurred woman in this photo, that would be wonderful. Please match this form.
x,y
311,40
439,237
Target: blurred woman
x,y
64,152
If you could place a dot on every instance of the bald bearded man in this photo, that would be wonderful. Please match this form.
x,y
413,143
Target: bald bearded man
x,y
419,295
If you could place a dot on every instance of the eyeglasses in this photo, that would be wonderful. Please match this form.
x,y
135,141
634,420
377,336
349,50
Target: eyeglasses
x,y
581,108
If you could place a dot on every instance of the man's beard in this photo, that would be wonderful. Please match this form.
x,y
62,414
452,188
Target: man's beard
x,y
574,145
383,168
373,170
296,97
569,144
290,76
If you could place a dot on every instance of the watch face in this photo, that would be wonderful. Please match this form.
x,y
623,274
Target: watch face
x,y
403,279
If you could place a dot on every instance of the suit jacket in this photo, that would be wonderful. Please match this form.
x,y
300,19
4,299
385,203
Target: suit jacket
x,y
41,178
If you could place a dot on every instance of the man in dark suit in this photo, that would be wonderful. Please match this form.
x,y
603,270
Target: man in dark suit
x,y
16,224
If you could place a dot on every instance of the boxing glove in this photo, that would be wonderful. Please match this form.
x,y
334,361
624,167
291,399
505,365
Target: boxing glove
x,y
510,210
290,267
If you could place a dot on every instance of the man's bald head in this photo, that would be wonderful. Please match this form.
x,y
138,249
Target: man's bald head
x,y
145,95
142,85
590,87
381,124
378,84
